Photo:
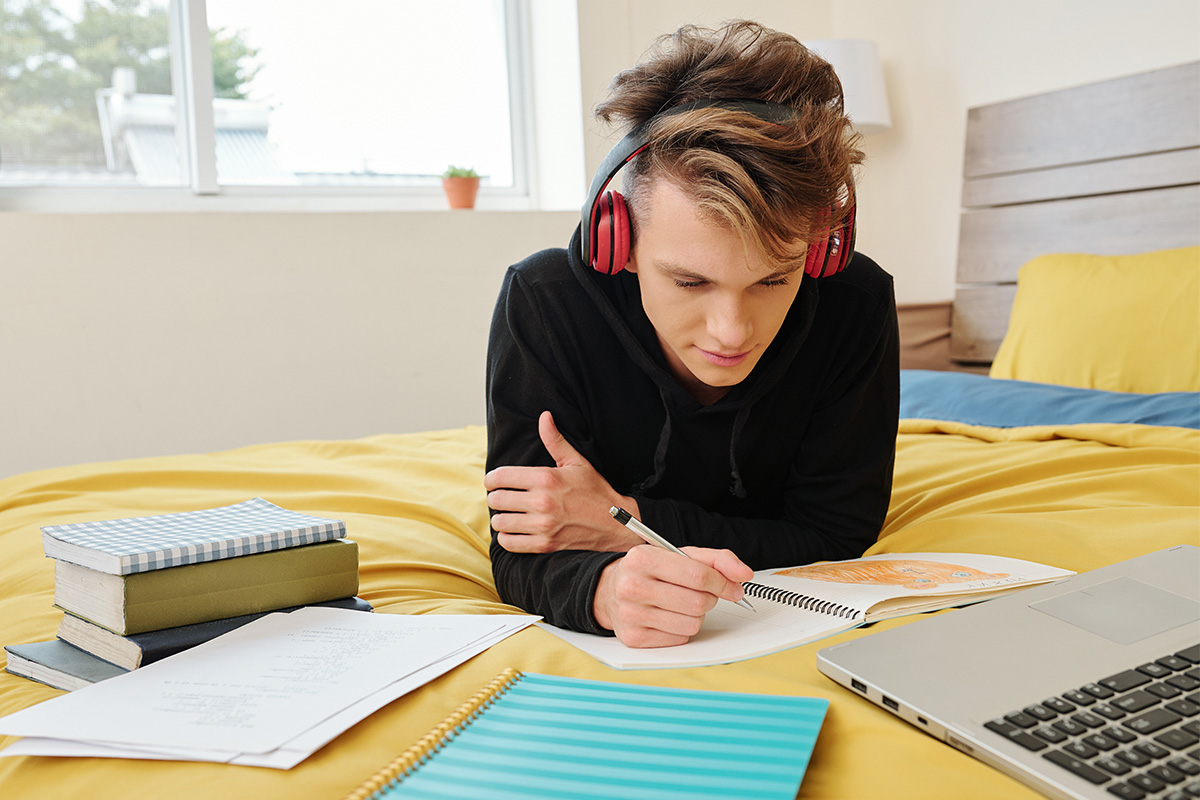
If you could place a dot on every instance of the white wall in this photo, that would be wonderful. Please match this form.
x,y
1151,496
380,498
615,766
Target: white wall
x,y
124,335
942,57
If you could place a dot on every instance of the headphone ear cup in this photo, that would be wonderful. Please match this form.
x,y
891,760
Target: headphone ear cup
x,y
613,238
831,255
814,260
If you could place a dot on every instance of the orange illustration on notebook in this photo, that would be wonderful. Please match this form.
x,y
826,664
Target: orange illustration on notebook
x,y
910,574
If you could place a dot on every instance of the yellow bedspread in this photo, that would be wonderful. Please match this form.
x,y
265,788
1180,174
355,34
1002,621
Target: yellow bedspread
x,y
1076,497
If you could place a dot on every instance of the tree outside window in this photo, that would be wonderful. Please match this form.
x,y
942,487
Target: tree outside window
x,y
58,57
386,93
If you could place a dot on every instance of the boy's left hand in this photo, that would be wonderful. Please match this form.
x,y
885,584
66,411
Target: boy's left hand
x,y
564,507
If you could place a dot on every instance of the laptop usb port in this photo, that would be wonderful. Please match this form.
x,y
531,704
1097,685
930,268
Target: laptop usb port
x,y
858,686
890,703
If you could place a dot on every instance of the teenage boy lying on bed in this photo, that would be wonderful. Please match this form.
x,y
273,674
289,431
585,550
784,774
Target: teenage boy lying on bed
x,y
711,385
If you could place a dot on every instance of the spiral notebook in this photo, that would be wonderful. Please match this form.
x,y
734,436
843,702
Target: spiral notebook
x,y
527,735
796,605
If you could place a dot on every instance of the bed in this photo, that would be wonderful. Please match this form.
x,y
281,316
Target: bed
x,y
1079,446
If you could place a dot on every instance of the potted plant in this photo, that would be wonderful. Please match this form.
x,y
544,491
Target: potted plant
x,y
461,184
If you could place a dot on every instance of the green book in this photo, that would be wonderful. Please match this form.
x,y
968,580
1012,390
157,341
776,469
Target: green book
x,y
168,598
139,649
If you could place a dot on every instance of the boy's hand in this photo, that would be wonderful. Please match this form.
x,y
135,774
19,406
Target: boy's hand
x,y
564,507
655,598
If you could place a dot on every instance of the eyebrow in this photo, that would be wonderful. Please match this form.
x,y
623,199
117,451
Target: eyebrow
x,y
684,272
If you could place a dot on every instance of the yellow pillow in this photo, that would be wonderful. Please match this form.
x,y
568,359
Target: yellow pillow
x,y
1121,323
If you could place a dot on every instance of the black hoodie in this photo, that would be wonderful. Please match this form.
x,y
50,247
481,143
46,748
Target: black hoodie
x,y
792,465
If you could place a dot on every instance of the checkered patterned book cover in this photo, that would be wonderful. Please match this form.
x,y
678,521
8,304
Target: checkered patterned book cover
x,y
141,544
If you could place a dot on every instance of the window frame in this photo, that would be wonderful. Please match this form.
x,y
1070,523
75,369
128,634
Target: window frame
x,y
192,86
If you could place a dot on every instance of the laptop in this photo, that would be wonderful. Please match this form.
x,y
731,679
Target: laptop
x,y
1084,688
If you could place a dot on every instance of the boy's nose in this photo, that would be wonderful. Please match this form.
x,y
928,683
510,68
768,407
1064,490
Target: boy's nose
x,y
730,325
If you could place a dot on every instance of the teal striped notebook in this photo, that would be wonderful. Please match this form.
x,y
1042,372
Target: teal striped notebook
x,y
526,735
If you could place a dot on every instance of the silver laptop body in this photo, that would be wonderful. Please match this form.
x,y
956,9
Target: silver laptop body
x,y
979,678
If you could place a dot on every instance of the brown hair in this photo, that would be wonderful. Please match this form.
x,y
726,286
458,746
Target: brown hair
x,y
773,184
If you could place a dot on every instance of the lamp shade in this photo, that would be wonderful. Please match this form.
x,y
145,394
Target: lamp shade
x,y
856,62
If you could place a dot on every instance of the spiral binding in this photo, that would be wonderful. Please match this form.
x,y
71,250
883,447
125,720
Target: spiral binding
x,y
429,744
803,601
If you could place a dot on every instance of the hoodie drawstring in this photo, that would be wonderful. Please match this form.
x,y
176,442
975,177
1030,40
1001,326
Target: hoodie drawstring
x,y
660,451
736,487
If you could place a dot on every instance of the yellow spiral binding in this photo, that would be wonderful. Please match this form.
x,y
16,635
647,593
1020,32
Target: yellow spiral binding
x,y
404,764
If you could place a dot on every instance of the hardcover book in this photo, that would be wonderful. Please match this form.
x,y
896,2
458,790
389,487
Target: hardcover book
x,y
796,605
140,544
58,664
70,665
140,649
168,598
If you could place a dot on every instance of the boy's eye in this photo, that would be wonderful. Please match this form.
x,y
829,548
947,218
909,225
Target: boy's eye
x,y
684,283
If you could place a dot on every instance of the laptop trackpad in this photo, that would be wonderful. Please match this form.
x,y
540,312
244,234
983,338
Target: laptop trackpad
x,y
1123,610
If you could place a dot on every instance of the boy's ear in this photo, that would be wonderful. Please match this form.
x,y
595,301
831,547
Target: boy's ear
x,y
631,264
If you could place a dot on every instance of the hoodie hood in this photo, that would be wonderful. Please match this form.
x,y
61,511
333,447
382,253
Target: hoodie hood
x,y
619,301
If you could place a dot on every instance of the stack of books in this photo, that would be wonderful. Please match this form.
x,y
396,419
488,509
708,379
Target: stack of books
x,y
139,589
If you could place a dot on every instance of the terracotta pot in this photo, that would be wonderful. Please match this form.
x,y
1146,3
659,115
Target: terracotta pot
x,y
460,192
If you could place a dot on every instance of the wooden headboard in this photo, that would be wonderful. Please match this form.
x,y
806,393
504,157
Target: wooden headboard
x,y
1109,168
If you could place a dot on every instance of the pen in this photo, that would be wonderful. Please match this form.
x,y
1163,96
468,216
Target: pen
x,y
650,537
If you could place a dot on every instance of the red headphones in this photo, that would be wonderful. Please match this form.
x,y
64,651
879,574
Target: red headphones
x,y
605,234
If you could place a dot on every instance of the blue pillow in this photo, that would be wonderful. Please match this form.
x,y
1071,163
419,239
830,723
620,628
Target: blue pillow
x,y
999,403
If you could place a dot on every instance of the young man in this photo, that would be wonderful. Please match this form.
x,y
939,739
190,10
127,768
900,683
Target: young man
x,y
712,387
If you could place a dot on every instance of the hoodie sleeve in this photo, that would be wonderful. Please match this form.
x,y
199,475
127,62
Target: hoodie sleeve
x,y
839,484
524,378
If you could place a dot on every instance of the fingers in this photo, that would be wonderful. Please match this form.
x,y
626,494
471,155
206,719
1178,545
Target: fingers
x,y
556,444
518,502
524,543
637,607
654,598
519,478
525,478
730,569
665,598
523,520
520,509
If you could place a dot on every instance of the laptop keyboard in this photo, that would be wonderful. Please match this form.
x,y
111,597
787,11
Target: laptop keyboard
x,y
1136,733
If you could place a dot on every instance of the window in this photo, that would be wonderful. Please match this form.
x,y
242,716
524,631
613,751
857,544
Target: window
x,y
58,62
229,96
393,93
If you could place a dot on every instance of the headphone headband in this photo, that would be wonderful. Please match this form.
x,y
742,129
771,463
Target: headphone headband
x,y
605,232
637,139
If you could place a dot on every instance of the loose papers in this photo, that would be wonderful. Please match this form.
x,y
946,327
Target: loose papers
x,y
266,694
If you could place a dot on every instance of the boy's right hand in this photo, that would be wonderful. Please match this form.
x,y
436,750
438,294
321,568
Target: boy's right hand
x,y
655,598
